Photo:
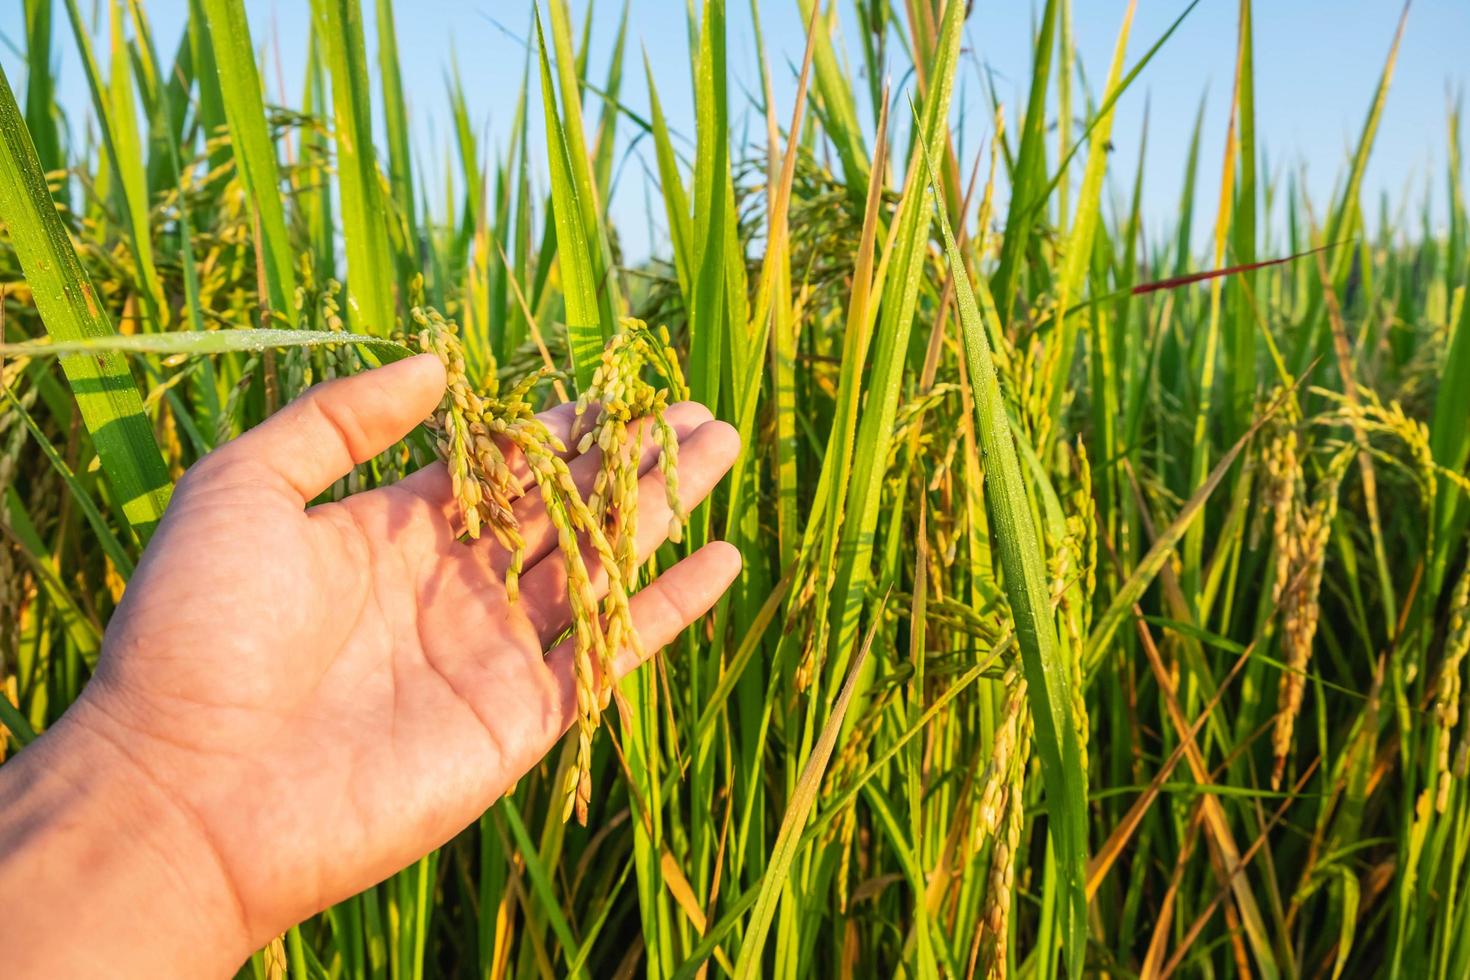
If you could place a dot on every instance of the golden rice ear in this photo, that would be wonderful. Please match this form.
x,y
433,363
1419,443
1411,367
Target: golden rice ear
x,y
1447,707
484,486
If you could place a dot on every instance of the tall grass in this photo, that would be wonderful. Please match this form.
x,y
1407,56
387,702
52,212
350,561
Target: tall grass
x,y
1100,614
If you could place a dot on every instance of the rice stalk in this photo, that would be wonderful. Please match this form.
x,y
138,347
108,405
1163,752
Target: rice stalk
x,y
1260,617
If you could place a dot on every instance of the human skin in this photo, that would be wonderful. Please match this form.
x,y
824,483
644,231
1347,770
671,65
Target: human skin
x,y
294,702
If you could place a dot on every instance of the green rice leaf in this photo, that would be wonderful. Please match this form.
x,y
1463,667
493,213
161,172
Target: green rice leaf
x,y
589,198
788,837
110,545
395,117
69,306
207,342
708,313
119,129
1021,556
1131,590
905,258
252,145
370,270
585,331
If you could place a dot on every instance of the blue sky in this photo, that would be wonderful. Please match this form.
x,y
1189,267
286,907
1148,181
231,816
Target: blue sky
x,y
1317,62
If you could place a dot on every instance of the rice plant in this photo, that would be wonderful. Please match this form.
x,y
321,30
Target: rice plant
x,y
1105,606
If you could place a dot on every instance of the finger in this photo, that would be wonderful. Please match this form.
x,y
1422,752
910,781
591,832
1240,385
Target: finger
x,y
317,439
431,483
704,458
660,612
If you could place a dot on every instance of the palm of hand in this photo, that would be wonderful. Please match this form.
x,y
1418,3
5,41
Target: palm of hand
x,y
330,693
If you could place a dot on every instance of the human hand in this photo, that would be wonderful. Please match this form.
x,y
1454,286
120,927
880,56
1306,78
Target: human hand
x,y
292,703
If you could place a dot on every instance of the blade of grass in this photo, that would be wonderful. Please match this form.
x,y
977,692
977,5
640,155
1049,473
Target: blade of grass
x,y
1021,557
69,306
1079,249
253,148
119,130
506,812
788,836
589,201
708,312
1132,589
1241,346
364,218
740,906
83,631
395,118
174,166
110,545
1028,171
834,92
904,256
671,186
40,113
208,342
1345,217
1449,442
607,123
586,333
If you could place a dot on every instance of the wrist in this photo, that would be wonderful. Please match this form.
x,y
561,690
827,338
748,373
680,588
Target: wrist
x,y
102,870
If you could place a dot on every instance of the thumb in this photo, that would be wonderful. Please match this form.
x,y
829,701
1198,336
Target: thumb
x,y
320,436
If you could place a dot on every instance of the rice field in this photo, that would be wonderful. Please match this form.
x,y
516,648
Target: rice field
x,y
1105,605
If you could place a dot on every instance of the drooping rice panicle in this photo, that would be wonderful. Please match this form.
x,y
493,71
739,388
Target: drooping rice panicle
x,y
470,428
1305,548
1449,686
1270,645
996,781
1005,853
